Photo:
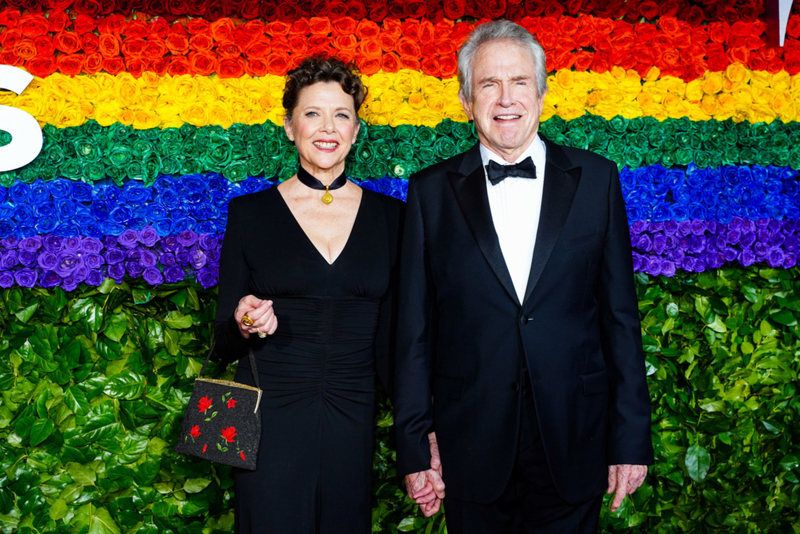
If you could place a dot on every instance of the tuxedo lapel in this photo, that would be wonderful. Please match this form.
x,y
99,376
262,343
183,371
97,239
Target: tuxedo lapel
x,y
561,182
469,186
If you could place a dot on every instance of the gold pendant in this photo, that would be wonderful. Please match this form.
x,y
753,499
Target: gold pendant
x,y
327,198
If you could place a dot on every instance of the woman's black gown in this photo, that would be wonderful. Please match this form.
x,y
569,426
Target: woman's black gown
x,y
318,369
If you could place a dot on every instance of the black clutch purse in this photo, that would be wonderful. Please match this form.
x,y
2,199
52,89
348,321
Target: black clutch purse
x,y
222,422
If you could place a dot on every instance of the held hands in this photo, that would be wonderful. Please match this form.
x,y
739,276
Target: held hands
x,y
624,479
427,487
261,316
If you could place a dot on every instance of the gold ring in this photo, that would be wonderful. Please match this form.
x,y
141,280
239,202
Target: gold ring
x,y
246,320
261,334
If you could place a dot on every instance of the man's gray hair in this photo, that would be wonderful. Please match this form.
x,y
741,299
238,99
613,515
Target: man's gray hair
x,y
499,30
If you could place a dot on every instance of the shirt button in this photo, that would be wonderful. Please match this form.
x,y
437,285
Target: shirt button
x,y
523,320
515,386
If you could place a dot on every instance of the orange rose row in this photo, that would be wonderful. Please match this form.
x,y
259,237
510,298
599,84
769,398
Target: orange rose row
x,y
113,44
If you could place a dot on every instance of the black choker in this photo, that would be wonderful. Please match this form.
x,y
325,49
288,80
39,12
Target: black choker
x,y
305,177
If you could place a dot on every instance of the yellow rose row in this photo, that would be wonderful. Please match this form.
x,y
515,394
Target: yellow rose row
x,y
405,97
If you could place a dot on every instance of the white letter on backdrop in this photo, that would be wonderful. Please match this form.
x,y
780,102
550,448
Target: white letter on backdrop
x,y
26,135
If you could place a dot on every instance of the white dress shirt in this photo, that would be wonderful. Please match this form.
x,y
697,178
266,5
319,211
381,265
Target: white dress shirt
x,y
515,204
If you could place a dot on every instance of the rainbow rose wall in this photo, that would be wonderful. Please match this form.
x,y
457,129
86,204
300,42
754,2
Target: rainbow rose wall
x,y
154,114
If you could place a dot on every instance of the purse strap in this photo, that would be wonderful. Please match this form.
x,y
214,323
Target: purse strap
x,y
253,366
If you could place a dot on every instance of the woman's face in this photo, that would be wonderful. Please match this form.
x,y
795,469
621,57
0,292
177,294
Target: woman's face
x,y
324,127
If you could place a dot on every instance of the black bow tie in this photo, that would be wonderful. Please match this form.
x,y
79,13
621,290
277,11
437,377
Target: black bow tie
x,y
497,172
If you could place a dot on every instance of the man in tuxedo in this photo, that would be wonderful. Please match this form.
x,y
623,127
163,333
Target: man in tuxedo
x,y
520,378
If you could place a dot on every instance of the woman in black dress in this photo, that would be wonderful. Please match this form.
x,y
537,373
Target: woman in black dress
x,y
306,278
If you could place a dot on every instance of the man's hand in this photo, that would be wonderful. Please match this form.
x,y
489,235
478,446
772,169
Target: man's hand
x,y
624,479
427,487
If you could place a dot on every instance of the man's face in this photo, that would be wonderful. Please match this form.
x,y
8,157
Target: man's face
x,y
506,104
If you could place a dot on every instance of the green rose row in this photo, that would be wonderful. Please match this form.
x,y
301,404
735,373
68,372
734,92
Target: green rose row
x,y
91,152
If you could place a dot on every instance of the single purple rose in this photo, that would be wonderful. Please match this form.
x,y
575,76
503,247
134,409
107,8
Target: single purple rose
x,y
148,236
763,235
72,243
153,276
670,227
762,222
688,263
776,240
735,224
789,261
50,279
775,257
638,227
80,273
114,256
668,268
760,250
698,227
720,242
207,277
684,228
699,244
731,254
747,239
167,259
95,278
25,277
116,271
659,243
31,244
10,242
733,236
6,279
182,257
213,255
93,261
53,243
637,262
187,238
197,258
91,245
66,263
128,238
715,260
748,225
700,265
69,284
747,257
791,244
208,241
676,256
134,253
26,258
110,241
789,225
47,261
148,259
134,268
645,243
169,243
173,274
10,260
653,266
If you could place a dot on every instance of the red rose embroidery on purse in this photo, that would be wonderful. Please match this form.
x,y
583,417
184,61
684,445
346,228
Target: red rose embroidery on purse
x,y
229,433
205,447
242,455
205,404
231,403
195,431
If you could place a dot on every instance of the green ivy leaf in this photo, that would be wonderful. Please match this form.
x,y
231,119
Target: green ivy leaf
x,y
784,317
116,326
41,430
58,510
25,314
195,485
177,320
126,385
698,462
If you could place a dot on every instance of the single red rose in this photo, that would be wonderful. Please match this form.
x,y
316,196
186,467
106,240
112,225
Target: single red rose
x,y
583,60
179,66
286,11
607,27
204,404
494,9
277,28
407,47
256,67
575,6
397,10
259,48
195,431
356,10
756,61
429,50
602,62
344,26
663,41
649,10
205,446
448,66
553,9
57,21
10,58
560,60
392,27
249,9
474,8
443,30
177,7
669,8
792,62
410,63
348,56
368,65
222,29
534,8
67,42
242,455
643,32
113,24
430,66
201,42
793,28
346,42
298,45
196,8
314,41
586,37
367,29
10,38
695,16
670,58
44,45
718,61
228,49
248,32
427,33
416,9
277,65
10,18
135,66
195,26
109,45
177,44
41,66
217,9
337,9
33,25
568,25
26,48
388,42
136,29
203,63
133,47
319,26
391,63
738,54
159,65
159,27
92,63
410,30
90,43
113,65
461,31
229,433
445,48
84,24
378,12
370,49
231,403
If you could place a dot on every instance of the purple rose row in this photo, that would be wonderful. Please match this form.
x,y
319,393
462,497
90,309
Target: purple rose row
x,y
50,260
696,246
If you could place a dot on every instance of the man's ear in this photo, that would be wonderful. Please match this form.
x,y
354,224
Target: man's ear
x,y
467,105
287,127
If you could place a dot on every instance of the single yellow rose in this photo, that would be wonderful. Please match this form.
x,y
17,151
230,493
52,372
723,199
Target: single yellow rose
x,y
416,100
406,81
126,117
219,113
145,120
694,90
781,81
737,73
196,114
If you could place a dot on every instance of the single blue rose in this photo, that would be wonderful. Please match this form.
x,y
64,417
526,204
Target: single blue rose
x,y
66,209
193,183
216,182
137,223
81,192
6,211
183,224
67,229
163,227
19,193
760,174
66,262
206,227
39,192
121,214
24,213
112,228
100,209
136,193
60,188
111,194
169,199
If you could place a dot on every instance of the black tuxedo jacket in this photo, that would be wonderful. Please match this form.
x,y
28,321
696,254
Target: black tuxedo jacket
x,y
463,334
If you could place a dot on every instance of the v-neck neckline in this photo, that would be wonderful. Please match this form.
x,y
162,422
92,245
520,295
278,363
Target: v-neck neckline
x,y
308,239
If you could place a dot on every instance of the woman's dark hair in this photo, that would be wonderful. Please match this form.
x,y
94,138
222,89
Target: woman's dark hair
x,y
322,69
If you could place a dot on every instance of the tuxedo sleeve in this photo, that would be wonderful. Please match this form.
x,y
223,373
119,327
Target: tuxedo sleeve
x,y
413,414
233,285
629,437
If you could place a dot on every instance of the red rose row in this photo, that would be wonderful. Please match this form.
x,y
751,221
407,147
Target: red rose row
x,y
695,13
113,44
